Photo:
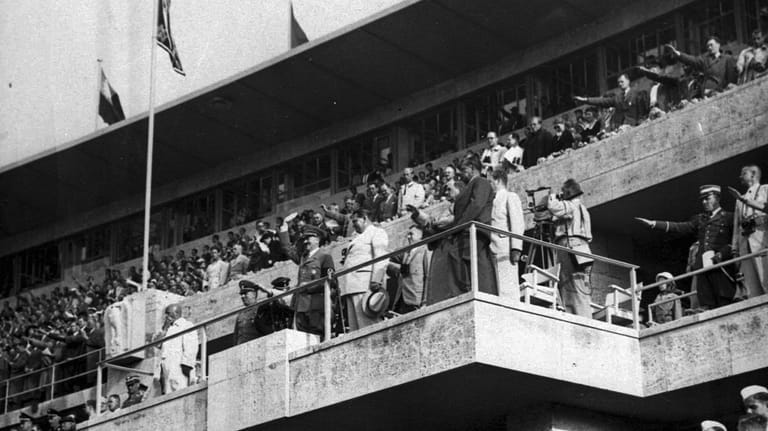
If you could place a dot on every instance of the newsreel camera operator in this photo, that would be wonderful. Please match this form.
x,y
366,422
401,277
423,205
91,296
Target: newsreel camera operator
x,y
573,230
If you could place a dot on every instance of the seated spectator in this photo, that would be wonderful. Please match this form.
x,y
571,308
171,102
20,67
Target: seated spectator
x,y
113,402
537,145
631,105
715,69
563,138
664,313
752,60
411,193
411,270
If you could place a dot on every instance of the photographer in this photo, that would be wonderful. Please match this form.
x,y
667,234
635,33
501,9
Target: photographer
x,y
573,230
749,223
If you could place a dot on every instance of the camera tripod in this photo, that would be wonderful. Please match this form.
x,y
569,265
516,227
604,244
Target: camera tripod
x,y
537,254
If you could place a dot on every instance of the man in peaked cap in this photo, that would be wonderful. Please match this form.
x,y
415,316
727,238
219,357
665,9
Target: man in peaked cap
x,y
25,422
253,322
714,230
314,263
755,400
132,382
54,419
68,423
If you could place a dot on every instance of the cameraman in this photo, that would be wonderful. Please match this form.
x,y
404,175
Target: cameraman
x,y
573,230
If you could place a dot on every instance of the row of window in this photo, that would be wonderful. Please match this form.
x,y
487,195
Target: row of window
x,y
503,107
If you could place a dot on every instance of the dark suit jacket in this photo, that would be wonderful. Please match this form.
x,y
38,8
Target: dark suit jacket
x,y
562,142
536,145
631,108
474,203
718,73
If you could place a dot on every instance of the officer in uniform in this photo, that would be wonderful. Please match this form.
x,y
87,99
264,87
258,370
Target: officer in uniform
x,y
25,422
714,229
68,423
314,263
134,396
253,322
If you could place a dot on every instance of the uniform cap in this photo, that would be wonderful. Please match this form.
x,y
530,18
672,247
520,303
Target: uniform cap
x,y
713,425
248,286
68,418
281,282
665,275
310,230
132,379
707,189
23,417
752,390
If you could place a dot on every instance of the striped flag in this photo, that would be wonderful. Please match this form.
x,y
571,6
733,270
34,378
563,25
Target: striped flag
x,y
164,37
110,109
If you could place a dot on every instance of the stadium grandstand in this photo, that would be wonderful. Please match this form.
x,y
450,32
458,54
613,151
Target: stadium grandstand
x,y
416,214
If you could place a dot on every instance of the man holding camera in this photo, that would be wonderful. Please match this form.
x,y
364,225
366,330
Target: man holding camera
x,y
573,229
749,225
714,230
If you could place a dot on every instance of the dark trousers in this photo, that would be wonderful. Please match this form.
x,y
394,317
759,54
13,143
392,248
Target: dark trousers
x,y
714,289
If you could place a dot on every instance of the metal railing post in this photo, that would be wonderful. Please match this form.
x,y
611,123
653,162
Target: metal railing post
x,y
473,258
326,310
635,301
7,394
203,353
53,379
98,389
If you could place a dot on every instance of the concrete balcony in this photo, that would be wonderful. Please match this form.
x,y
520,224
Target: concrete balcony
x,y
477,362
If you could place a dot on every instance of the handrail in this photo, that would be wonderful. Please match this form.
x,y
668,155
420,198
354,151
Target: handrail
x,y
55,364
703,270
320,281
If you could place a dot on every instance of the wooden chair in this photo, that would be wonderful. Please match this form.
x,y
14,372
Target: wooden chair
x,y
539,286
617,308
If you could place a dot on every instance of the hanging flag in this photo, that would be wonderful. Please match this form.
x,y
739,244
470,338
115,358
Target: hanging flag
x,y
297,33
110,109
164,37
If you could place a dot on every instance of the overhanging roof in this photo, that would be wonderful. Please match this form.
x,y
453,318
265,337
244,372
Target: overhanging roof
x,y
411,46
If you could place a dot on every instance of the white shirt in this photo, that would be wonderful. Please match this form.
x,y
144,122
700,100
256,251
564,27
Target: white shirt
x,y
411,194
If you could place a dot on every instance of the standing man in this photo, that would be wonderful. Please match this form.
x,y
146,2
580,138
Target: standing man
x,y
314,263
752,59
387,205
749,225
718,69
714,229
631,105
217,272
371,242
413,267
254,322
491,157
507,214
538,144
239,265
132,383
411,193
573,229
178,355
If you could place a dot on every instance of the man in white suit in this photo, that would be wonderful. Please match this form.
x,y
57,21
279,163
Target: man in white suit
x,y
507,214
371,242
749,225
177,355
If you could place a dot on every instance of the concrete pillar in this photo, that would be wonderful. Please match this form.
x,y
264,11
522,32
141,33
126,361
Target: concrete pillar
x,y
555,417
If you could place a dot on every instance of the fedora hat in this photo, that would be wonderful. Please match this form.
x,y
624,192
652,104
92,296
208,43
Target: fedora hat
x,y
375,304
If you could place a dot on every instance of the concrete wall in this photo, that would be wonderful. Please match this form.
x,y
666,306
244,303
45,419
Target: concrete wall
x,y
713,345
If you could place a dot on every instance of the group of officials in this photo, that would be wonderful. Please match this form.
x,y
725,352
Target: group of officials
x,y
427,273
722,235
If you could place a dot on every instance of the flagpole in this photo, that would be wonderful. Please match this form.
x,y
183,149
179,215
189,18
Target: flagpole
x,y
98,93
150,147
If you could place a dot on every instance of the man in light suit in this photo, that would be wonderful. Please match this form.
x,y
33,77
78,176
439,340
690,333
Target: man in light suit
x,y
217,273
371,242
507,214
749,225
177,355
